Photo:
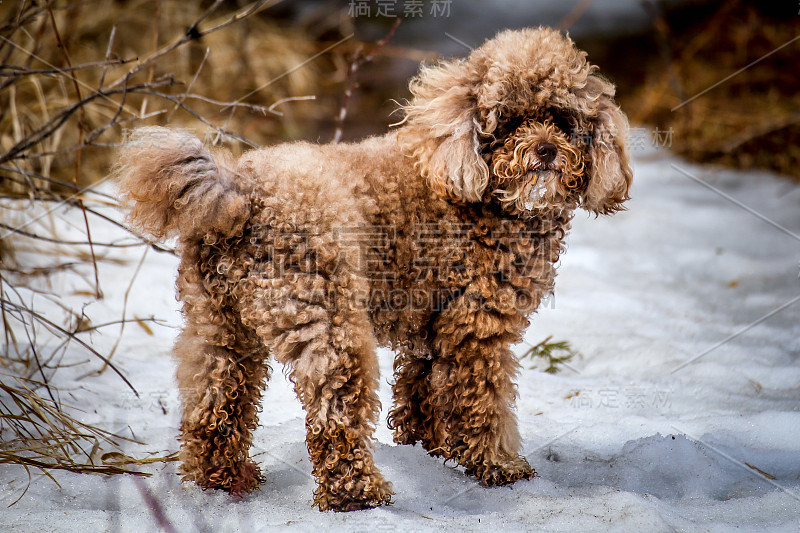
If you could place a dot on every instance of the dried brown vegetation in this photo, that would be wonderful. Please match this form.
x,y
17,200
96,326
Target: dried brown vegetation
x,y
725,83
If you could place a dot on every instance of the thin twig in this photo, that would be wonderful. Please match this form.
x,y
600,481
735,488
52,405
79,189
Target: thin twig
x,y
193,33
574,15
50,324
359,59
271,109
60,183
79,153
189,86
152,70
69,201
14,72
55,122
124,310
107,61
52,240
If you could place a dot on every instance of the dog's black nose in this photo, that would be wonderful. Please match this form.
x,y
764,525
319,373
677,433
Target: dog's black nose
x,y
547,152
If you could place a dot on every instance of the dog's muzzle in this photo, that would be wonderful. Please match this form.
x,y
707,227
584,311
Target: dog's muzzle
x,y
537,188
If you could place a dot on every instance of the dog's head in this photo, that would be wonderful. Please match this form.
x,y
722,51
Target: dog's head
x,y
524,121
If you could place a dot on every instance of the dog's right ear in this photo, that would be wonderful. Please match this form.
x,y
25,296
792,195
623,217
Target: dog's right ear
x,y
442,132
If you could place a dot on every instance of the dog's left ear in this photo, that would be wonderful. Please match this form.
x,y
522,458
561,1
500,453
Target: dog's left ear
x,y
442,132
609,170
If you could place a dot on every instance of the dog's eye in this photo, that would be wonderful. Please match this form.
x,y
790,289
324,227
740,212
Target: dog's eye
x,y
561,120
510,126
501,134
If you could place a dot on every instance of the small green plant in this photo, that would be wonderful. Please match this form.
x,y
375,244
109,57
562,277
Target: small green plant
x,y
554,355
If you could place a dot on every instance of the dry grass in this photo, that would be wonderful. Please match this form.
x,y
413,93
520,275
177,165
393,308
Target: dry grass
x,y
39,434
727,86
73,76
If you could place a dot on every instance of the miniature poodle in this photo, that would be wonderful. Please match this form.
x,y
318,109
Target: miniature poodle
x,y
438,239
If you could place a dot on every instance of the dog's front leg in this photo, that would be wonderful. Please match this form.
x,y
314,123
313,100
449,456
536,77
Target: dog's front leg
x,y
472,389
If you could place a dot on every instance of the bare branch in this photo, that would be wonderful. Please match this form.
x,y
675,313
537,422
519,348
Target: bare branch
x,y
358,60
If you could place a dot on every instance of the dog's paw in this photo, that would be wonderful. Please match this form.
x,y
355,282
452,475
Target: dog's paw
x,y
247,480
504,472
237,480
374,493
358,505
405,437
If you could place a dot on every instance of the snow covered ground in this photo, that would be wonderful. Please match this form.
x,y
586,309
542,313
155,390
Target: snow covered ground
x,y
627,439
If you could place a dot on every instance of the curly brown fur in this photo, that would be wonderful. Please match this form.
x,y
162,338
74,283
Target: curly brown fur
x,y
438,240
174,186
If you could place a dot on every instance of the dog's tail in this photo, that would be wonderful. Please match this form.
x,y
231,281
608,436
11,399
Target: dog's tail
x,y
172,185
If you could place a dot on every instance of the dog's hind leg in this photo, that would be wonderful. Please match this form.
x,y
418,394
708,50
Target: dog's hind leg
x,y
316,323
220,392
